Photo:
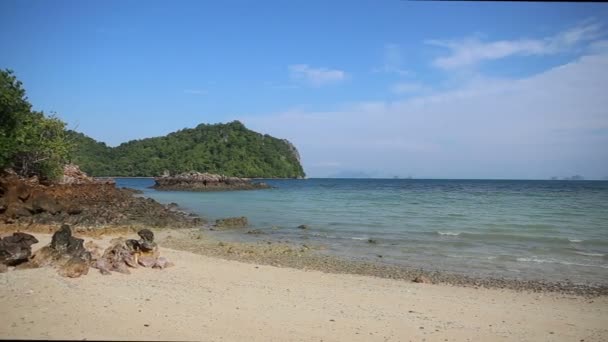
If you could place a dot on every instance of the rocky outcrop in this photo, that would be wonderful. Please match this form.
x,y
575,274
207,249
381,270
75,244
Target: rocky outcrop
x,y
81,200
231,222
196,181
16,249
73,175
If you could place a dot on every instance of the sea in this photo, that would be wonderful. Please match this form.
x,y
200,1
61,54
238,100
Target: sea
x,y
519,229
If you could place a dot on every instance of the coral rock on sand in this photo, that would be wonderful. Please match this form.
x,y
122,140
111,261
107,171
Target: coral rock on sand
x,y
94,249
116,258
16,249
131,253
65,252
74,268
147,261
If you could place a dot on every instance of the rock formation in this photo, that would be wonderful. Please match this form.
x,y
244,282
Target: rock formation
x,y
79,199
16,249
196,181
231,222
130,253
65,252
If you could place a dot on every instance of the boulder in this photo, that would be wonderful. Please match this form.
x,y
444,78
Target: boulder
x,y
116,258
16,249
63,242
232,222
66,253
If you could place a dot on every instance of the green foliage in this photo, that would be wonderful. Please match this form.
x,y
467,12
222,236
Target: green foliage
x,y
230,149
34,144
30,142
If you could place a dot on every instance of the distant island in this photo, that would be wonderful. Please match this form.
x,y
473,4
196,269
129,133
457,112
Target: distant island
x,y
575,177
227,149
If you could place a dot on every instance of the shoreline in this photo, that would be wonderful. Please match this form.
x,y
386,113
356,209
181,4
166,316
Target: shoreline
x,y
310,257
209,298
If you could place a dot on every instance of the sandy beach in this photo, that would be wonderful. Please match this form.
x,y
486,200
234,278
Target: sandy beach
x,y
210,299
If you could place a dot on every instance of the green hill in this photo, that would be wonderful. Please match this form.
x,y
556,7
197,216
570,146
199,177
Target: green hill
x,y
230,149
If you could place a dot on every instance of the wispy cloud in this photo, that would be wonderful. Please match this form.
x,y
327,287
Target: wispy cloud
x,y
195,91
551,123
470,51
408,88
393,61
316,76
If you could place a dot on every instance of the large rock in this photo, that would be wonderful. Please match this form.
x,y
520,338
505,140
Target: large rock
x,y
65,252
63,241
231,222
16,249
196,181
116,258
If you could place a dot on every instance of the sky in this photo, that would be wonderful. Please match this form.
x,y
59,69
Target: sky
x,y
362,88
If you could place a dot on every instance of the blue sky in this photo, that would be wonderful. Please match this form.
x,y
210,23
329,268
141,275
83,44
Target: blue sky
x,y
427,89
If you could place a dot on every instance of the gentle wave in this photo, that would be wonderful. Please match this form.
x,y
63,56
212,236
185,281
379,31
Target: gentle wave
x,y
449,233
561,262
591,254
495,237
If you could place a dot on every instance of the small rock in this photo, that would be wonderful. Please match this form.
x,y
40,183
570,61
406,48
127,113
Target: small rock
x,y
232,222
303,226
74,268
162,262
147,261
422,280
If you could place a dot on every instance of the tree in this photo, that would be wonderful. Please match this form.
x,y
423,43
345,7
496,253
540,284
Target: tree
x,y
30,143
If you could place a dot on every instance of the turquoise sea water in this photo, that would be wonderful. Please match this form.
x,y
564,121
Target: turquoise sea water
x,y
552,230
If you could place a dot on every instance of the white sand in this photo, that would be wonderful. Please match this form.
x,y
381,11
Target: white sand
x,y
209,299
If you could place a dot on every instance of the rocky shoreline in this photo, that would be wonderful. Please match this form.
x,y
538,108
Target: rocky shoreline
x,y
82,201
196,181
311,257
95,208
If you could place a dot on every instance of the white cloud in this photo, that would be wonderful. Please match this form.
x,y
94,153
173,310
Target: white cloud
x,y
552,123
316,76
393,61
470,51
